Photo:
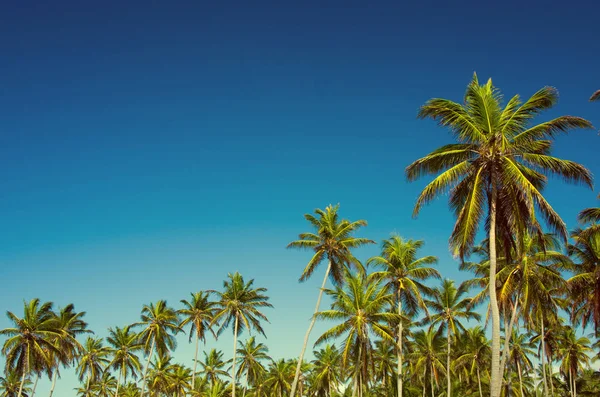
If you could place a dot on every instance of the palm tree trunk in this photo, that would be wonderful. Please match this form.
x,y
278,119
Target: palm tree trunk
x,y
399,345
53,382
87,386
448,385
310,327
431,380
479,382
495,379
147,365
520,378
22,383
246,383
507,336
195,363
543,353
118,383
37,378
235,334
574,383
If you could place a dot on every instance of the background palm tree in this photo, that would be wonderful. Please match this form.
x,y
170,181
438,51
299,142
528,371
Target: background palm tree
x,y
125,344
212,366
278,377
10,384
425,355
332,241
250,356
198,313
160,325
475,353
362,306
107,386
93,360
498,166
29,344
449,307
574,351
404,274
239,303
327,371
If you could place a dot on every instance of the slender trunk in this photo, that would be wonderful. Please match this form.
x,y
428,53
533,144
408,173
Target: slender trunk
x,y
448,385
245,383
479,382
22,383
37,378
399,346
520,378
87,385
507,337
431,380
53,382
235,334
543,360
118,383
571,382
574,383
147,365
195,363
310,327
495,381
550,375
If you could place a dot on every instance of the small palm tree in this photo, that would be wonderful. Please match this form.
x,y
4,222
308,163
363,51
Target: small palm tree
x,y
158,375
131,390
10,384
92,361
362,308
30,345
424,354
449,307
160,325
476,353
278,377
250,356
405,274
198,313
574,351
179,380
326,370
333,241
107,386
125,344
240,304
212,366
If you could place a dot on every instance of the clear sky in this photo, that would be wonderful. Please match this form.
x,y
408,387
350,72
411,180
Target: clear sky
x,y
146,150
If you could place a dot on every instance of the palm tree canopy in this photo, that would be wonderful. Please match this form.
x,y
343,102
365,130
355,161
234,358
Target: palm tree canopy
x,y
332,239
496,147
160,325
198,313
449,306
125,344
93,359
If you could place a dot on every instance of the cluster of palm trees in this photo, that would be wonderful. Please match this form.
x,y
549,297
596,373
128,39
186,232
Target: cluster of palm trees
x,y
397,327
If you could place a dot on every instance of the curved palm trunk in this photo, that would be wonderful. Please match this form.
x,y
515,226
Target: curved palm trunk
x,y
507,337
22,383
574,376
246,383
53,382
448,383
195,363
495,375
37,378
399,346
235,334
432,390
543,354
118,383
310,327
147,365
479,382
520,379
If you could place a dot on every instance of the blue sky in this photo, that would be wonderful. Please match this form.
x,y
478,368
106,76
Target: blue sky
x,y
146,150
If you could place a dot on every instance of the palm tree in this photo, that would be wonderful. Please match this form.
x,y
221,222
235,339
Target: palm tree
x,y
362,307
476,353
70,324
326,370
449,308
424,353
198,313
332,240
92,361
574,351
520,351
125,344
131,390
251,354
212,366
279,376
29,345
240,303
500,164
179,380
158,375
107,386
404,274
583,286
10,384
161,324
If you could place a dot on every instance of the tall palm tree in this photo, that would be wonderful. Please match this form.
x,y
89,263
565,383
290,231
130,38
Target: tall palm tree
x,y
10,384
198,313
498,166
93,360
29,344
160,325
424,353
476,353
125,344
250,356
240,304
574,351
404,274
212,366
332,240
326,368
362,308
449,307
70,324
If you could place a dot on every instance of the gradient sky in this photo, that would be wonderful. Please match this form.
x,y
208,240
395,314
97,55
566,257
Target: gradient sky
x,y
146,150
